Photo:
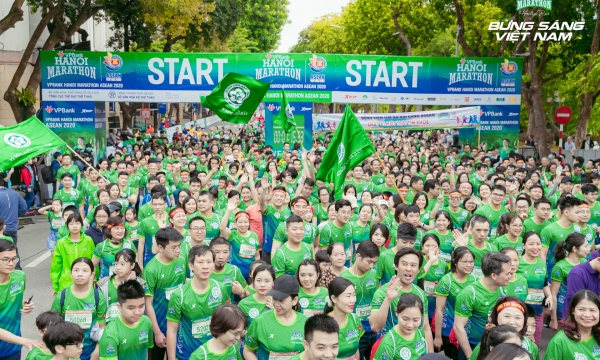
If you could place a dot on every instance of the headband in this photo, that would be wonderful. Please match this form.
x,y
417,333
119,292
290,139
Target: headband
x,y
454,192
509,304
175,211
465,183
587,206
300,201
242,213
279,190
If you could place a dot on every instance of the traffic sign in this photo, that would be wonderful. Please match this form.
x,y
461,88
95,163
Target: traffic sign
x,y
146,113
563,115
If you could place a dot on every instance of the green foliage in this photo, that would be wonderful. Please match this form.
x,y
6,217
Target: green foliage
x,y
240,41
26,97
265,19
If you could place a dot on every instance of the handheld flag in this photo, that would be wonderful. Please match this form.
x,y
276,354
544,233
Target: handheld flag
x,y
348,148
21,142
235,98
285,119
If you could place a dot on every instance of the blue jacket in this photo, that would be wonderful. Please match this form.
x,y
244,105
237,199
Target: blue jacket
x,y
12,206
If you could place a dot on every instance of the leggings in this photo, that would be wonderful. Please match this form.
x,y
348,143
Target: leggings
x,y
539,326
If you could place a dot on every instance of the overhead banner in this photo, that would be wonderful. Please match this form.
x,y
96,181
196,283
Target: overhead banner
x,y
468,117
356,79
274,134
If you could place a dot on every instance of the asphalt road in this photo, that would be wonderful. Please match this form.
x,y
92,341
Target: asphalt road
x,y
35,261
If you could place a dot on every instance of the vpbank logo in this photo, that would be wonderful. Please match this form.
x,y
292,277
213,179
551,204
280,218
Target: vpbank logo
x,y
509,68
17,140
271,107
113,62
317,63
49,109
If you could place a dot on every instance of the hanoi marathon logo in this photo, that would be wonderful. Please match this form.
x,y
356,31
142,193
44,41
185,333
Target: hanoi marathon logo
x,y
471,70
278,65
71,64
544,4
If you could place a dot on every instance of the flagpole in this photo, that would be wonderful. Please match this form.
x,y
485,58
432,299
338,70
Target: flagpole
x,y
299,138
85,162
390,176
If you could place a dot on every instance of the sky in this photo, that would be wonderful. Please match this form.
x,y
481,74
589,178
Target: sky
x,y
301,14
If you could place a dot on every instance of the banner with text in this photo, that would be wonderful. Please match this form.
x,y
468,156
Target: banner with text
x,y
274,135
357,79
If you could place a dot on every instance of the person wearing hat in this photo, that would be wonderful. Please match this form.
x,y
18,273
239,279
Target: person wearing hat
x,y
277,333
565,185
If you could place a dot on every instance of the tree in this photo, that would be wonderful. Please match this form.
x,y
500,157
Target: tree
x,y
15,14
265,19
129,26
240,42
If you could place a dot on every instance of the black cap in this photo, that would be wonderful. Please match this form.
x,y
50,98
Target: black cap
x,y
566,179
284,287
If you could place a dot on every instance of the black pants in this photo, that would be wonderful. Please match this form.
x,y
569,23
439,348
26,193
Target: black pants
x,y
450,350
266,257
366,345
157,353
13,235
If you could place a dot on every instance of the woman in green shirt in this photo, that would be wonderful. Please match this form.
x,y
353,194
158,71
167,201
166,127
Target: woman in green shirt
x,y
580,334
567,254
322,206
508,234
433,269
340,306
406,340
178,220
443,227
312,297
517,285
258,302
228,328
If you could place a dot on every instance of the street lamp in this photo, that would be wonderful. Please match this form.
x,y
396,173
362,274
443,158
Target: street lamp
x,y
554,102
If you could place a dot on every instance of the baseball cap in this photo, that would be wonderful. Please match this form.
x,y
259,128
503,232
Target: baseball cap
x,y
352,199
284,287
229,158
383,203
566,179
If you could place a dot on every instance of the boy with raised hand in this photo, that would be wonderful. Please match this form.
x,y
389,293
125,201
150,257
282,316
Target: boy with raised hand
x,y
69,195
65,340
12,305
164,274
191,307
228,274
43,321
289,256
130,335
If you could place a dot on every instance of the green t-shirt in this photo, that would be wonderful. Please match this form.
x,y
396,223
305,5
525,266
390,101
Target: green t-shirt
x,y
365,286
331,233
517,288
83,312
252,307
475,303
72,169
349,336
492,215
11,303
385,266
310,234
148,229
271,219
74,197
204,353
449,288
560,272
145,211
269,338
193,312
359,234
526,344
106,252
458,218
122,342
56,221
133,233
243,250
503,241
39,354
213,224
551,236
392,320
394,346
531,225
227,276
430,280
536,275
561,347
479,253
446,241
286,260
313,304
162,280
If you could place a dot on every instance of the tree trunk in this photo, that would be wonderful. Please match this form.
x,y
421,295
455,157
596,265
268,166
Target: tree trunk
x,y
588,99
392,109
127,110
15,14
537,103
460,35
401,35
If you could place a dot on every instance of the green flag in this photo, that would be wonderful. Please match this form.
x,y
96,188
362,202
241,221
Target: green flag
x,y
23,141
285,119
348,148
235,98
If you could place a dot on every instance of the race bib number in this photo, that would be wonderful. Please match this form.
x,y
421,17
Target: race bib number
x,y
446,257
309,313
429,287
112,312
535,296
57,223
281,356
493,233
363,311
477,273
123,202
200,328
247,251
83,318
169,291
348,254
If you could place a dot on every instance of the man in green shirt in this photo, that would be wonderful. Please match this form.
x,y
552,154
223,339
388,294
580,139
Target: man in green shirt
x,y
130,335
69,195
494,210
229,275
213,220
339,230
164,274
365,281
416,186
377,178
321,339
537,223
458,214
405,238
475,302
68,168
192,305
288,257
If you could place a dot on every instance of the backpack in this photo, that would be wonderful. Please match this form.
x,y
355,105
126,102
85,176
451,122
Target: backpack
x,y
47,175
